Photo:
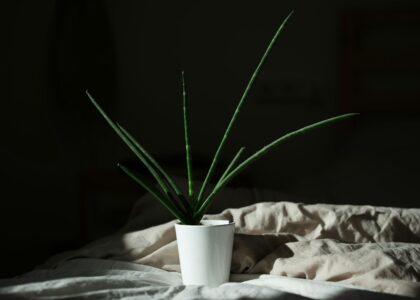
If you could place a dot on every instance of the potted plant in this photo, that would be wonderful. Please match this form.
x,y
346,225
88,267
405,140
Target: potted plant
x,y
205,246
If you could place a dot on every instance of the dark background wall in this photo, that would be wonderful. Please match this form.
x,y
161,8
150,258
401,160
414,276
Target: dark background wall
x,y
60,184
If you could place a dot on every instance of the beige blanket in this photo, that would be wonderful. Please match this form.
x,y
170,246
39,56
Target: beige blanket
x,y
372,247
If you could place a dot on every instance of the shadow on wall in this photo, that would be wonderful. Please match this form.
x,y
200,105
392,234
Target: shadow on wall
x,y
47,128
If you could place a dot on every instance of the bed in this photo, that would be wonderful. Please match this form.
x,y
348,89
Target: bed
x,y
282,250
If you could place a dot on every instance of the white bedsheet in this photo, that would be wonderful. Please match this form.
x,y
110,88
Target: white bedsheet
x,y
110,279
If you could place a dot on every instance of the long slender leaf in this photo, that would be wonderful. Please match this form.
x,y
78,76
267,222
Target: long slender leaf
x,y
130,145
185,105
231,165
237,111
159,169
155,193
264,150
175,201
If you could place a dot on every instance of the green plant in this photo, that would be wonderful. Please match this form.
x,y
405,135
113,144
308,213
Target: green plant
x,y
190,208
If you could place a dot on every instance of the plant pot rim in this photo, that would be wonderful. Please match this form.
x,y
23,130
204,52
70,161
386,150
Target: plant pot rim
x,y
208,223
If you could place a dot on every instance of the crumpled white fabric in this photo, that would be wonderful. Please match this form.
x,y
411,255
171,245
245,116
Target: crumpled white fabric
x,y
377,248
109,279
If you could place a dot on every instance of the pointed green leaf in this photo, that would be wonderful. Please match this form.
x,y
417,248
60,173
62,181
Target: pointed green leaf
x,y
159,169
132,147
237,111
231,165
187,134
264,150
154,192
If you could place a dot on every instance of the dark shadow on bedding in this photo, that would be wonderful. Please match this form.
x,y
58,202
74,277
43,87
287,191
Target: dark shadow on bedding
x,y
270,247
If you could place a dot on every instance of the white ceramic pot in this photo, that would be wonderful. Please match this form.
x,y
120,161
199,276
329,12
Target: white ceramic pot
x,y
205,252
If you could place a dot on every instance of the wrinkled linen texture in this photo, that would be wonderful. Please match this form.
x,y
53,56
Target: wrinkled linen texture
x,y
376,248
92,279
